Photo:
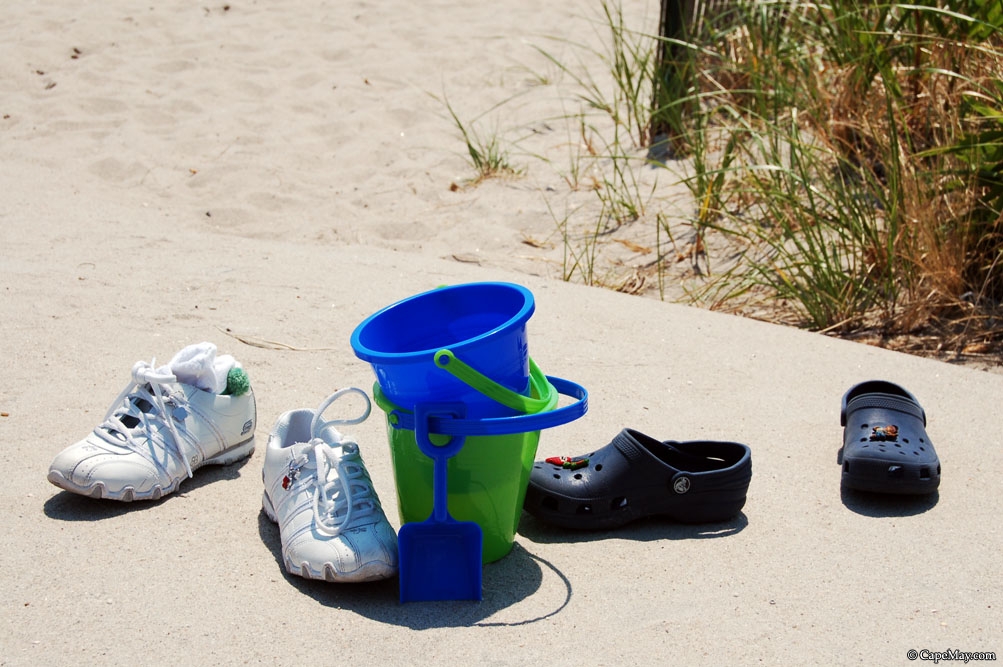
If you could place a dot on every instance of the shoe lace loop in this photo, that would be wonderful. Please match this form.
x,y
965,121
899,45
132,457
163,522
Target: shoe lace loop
x,y
342,494
150,386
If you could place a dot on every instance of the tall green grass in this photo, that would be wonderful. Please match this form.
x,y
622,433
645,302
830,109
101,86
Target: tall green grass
x,y
862,141
623,91
853,150
487,154
620,95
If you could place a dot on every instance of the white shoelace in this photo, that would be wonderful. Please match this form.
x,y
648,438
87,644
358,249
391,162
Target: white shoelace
x,y
345,496
150,385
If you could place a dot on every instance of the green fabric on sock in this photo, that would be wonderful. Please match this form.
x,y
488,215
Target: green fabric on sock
x,y
237,382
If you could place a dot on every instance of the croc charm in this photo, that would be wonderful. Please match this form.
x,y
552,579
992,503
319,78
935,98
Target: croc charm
x,y
884,433
567,462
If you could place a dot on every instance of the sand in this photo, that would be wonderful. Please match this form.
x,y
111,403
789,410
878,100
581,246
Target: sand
x,y
265,177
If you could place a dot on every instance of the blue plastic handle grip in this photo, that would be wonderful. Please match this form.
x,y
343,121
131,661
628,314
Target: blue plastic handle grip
x,y
446,425
423,413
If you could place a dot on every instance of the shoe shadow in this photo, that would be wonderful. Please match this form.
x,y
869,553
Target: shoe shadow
x,y
643,530
505,584
882,505
67,506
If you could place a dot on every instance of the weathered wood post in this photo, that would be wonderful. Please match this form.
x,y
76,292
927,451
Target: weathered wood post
x,y
673,69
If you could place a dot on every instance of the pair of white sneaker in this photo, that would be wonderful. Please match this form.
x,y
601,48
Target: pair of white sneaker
x,y
200,410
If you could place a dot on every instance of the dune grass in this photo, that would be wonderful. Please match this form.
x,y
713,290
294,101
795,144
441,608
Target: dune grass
x,y
853,151
862,157
847,155
487,153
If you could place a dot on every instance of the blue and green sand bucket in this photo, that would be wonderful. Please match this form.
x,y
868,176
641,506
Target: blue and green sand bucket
x,y
464,346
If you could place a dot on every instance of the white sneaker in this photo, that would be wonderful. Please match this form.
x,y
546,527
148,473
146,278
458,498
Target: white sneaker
x,y
318,490
166,424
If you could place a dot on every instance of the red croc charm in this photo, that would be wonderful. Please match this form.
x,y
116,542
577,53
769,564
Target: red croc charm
x,y
567,462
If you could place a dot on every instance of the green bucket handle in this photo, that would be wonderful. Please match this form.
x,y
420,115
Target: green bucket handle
x,y
399,418
446,360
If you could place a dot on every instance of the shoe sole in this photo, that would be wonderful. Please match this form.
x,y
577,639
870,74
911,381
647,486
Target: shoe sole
x,y
721,507
99,491
327,571
884,484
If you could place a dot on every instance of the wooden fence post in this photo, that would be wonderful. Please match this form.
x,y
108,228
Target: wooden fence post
x,y
672,71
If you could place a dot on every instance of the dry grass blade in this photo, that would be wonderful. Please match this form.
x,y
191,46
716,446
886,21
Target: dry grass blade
x,y
634,247
266,344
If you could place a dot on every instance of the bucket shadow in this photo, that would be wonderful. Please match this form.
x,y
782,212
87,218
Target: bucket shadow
x,y
66,506
643,530
505,583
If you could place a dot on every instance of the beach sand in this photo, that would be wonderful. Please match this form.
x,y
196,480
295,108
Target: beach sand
x,y
265,176
329,124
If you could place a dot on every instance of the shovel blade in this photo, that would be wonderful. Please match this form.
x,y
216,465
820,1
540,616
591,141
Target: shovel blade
x,y
440,560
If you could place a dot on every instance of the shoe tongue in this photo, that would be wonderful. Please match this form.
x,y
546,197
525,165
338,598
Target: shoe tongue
x,y
307,451
143,405
302,449
330,435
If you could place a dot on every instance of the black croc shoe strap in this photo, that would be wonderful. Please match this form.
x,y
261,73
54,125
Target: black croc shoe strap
x,y
627,445
638,448
886,402
880,394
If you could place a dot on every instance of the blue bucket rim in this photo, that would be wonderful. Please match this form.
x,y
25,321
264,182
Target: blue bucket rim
x,y
376,357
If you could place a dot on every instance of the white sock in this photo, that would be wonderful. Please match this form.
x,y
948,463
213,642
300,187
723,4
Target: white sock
x,y
199,366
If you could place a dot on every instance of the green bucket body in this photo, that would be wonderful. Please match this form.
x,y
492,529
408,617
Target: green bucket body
x,y
487,480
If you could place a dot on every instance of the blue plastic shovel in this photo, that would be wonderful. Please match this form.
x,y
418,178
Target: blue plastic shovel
x,y
440,558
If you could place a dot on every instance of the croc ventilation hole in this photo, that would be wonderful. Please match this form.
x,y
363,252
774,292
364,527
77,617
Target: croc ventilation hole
x,y
598,467
578,475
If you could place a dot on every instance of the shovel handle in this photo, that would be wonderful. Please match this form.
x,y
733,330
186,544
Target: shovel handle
x,y
440,454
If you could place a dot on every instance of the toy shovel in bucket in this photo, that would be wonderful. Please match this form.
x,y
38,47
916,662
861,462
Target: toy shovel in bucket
x,y
440,558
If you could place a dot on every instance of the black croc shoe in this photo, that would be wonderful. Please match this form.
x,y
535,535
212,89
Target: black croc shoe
x,y
636,476
885,445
